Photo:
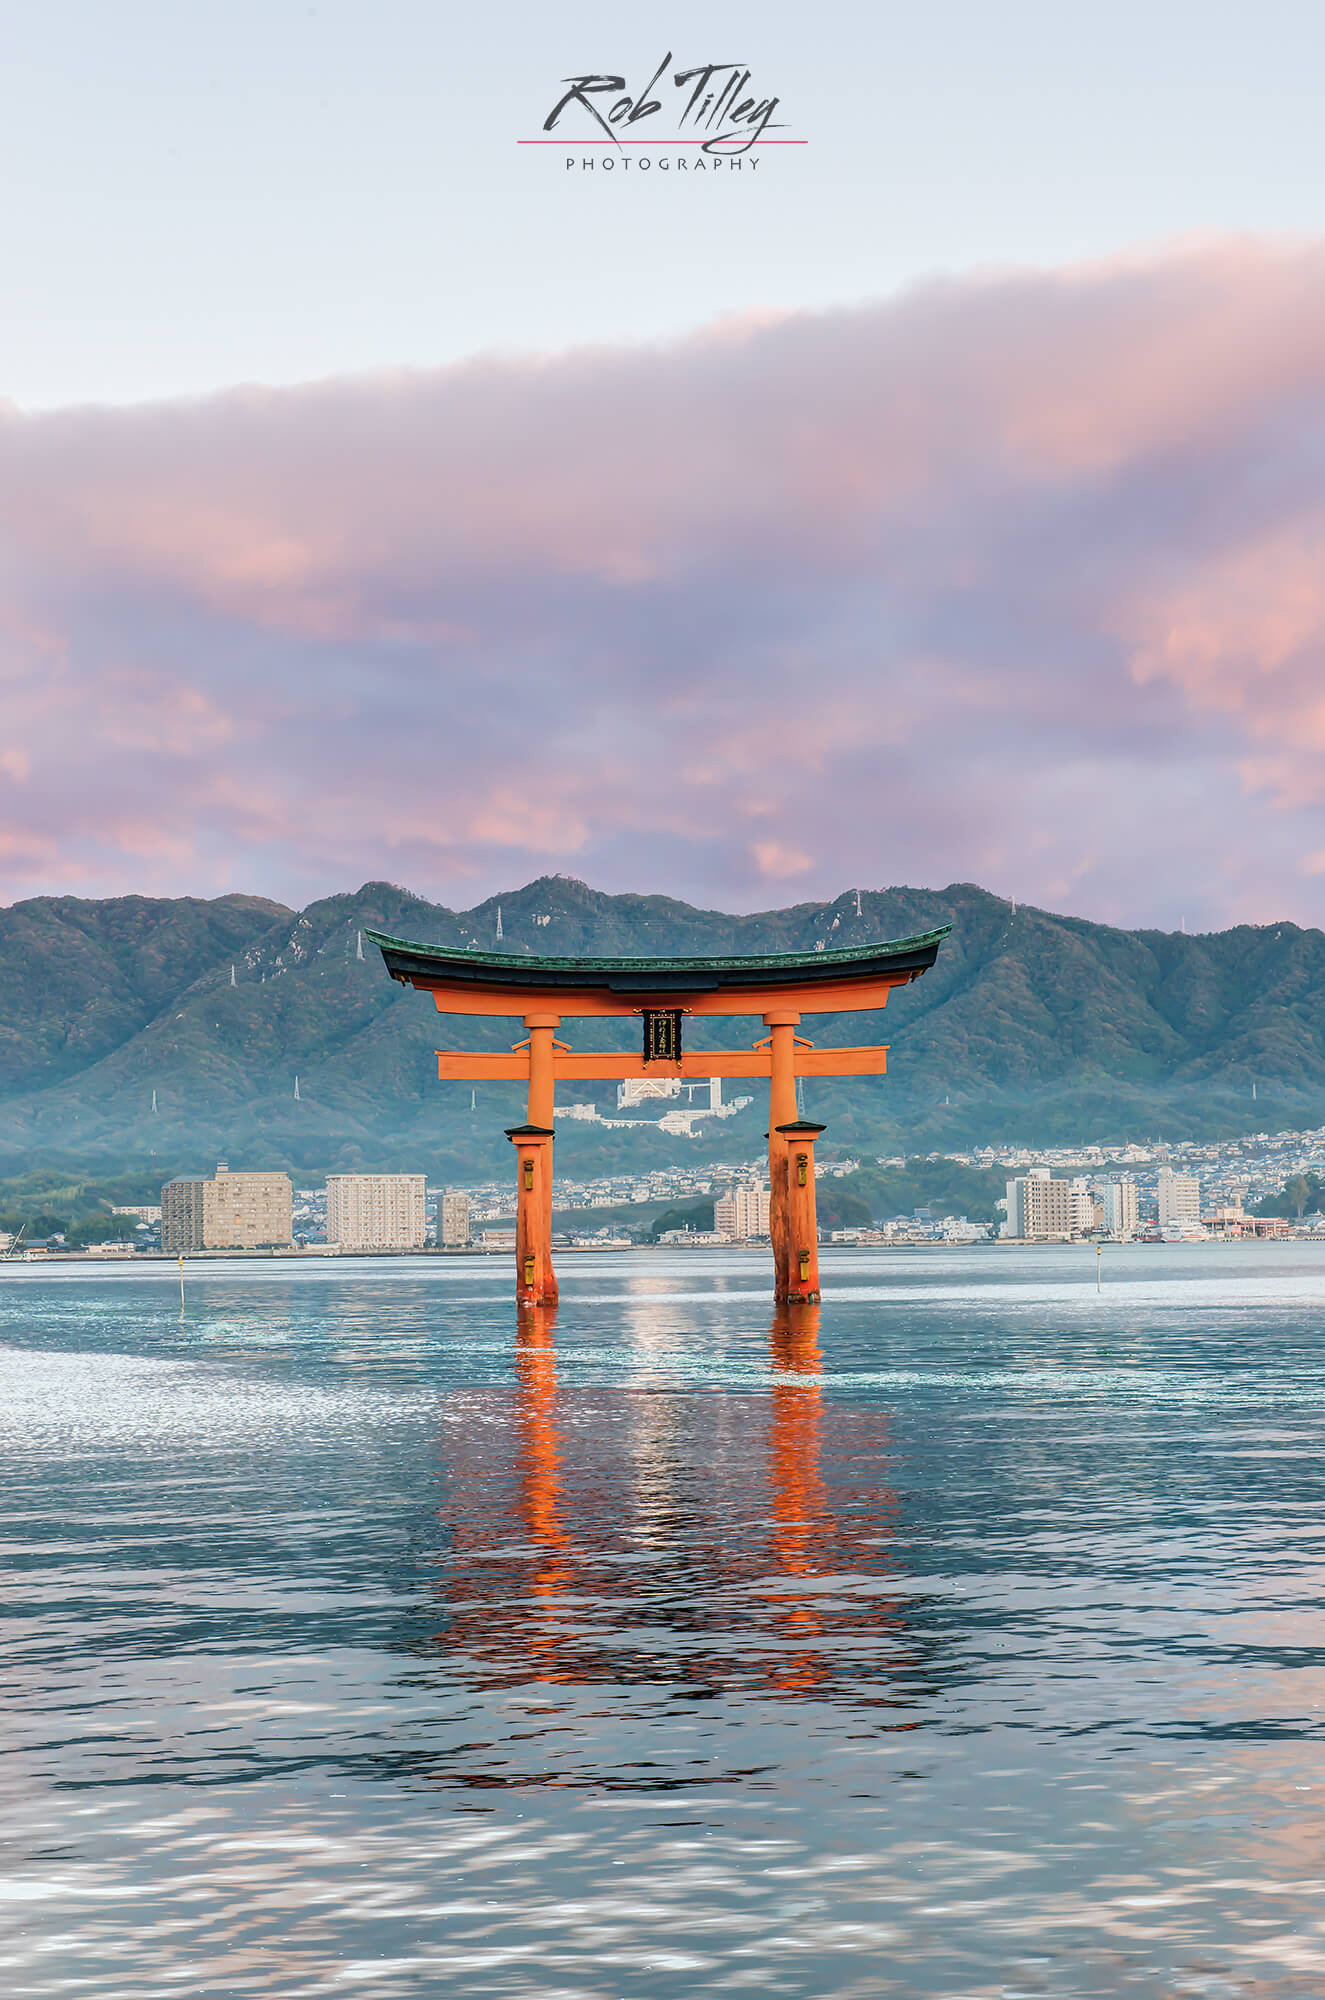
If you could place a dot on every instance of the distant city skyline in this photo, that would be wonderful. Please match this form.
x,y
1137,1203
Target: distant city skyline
x,y
942,503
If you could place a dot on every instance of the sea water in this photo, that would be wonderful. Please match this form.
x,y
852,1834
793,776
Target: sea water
x,y
960,1637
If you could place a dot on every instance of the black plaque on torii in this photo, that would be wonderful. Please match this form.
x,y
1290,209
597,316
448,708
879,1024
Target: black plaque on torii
x,y
662,1034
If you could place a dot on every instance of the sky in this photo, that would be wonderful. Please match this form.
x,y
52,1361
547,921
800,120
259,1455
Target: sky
x,y
938,498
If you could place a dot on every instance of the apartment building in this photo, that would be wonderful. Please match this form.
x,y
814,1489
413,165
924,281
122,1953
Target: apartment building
x,y
1118,1205
1084,1210
377,1211
181,1215
227,1212
1179,1198
453,1219
1041,1209
742,1212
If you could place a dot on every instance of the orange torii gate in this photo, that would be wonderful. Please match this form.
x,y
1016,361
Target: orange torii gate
x,y
662,992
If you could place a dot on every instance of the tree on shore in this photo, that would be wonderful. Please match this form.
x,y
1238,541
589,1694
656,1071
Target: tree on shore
x,y
1301,1194
1297,1192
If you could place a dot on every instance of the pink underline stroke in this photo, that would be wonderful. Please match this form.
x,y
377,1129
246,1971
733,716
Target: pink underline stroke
x,y
657,142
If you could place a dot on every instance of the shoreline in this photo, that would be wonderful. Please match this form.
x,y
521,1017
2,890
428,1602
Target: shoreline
x,y
315,1253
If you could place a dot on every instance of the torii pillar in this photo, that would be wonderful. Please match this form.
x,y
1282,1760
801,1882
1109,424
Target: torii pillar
x,y
782,1028
543,1048
800,1228
535,1280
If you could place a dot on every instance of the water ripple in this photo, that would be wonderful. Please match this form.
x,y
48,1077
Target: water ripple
x,y
962,1638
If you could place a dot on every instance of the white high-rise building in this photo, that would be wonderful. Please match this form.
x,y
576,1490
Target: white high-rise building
x,y
742,1212
1118,1201
453,1219
1179,1198
377,1211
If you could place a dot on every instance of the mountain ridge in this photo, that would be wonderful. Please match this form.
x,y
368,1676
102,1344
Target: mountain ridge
x,y
1034,1027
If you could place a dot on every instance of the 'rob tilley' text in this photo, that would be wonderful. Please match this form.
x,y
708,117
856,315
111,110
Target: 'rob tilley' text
x,y
714,102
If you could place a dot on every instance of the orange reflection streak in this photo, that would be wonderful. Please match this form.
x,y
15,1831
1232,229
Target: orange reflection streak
x,y
542,1491
800,1506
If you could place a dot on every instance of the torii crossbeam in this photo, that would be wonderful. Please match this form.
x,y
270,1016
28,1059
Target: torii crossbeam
x,y
661,992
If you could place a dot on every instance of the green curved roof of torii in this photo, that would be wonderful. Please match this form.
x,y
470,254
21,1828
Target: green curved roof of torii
x,y
407,961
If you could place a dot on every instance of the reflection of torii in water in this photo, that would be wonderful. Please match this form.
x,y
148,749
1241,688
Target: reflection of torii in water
x,y
565,1568
795,1476
541,1490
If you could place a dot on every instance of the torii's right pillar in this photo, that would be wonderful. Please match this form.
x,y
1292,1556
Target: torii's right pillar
x,y
782,1028
802,1223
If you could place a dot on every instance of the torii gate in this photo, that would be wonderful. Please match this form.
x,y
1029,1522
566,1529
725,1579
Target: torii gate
x,y
661,992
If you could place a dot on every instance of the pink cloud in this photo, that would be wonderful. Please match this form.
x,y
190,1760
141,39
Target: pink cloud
x,y
1015,580
777,861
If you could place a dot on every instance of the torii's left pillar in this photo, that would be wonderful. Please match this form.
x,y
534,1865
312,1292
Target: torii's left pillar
x,y
535,1280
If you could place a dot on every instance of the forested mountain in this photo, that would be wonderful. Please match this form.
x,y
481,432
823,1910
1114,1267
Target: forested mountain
x,y
1031,1027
